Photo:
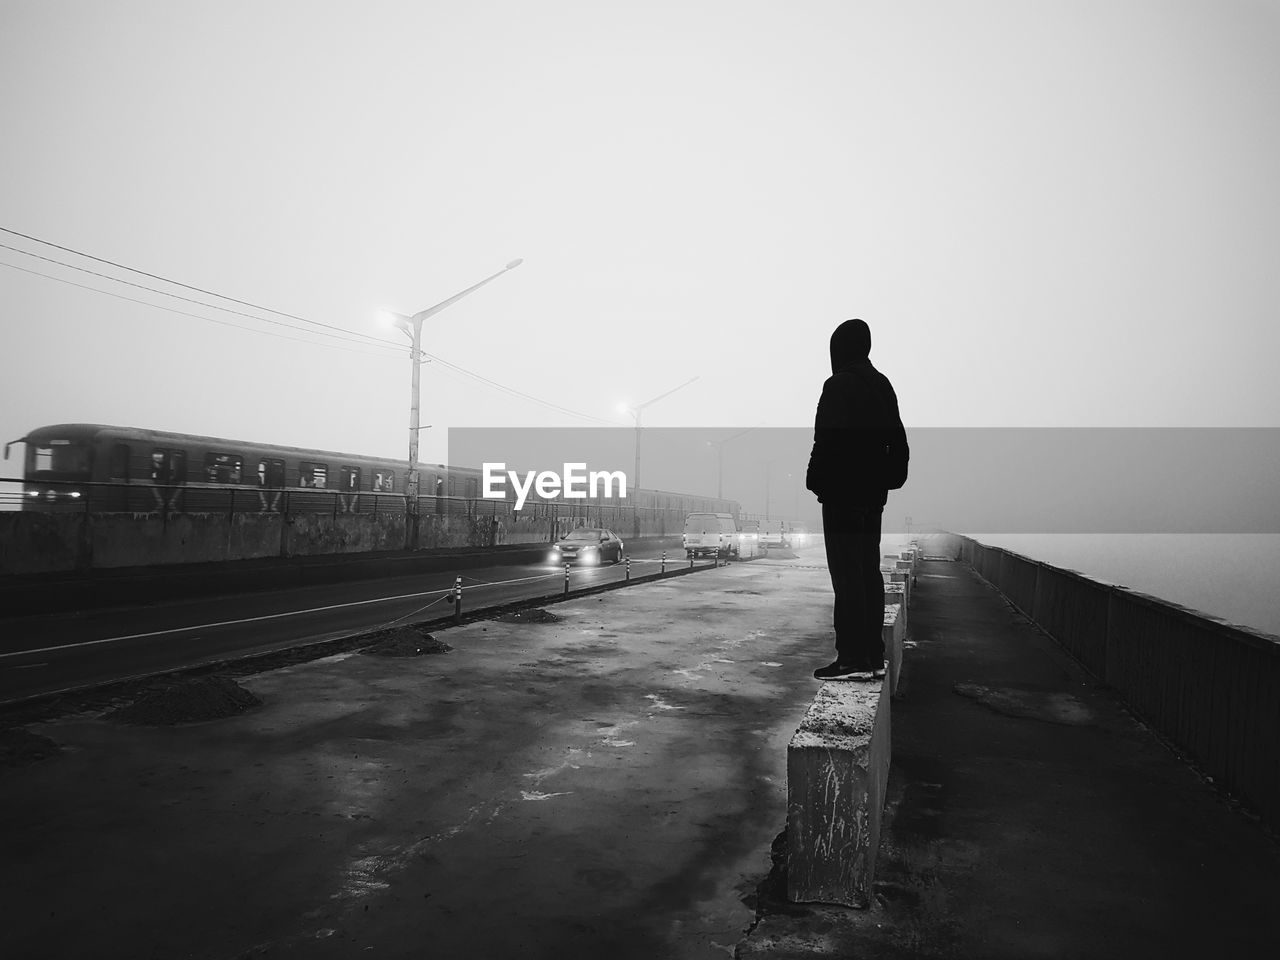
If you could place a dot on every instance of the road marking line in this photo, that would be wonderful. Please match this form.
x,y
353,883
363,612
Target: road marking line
x,y
268,616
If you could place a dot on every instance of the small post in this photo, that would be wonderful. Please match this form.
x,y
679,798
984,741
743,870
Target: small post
x,y
628,567
566,579
664,562
457,600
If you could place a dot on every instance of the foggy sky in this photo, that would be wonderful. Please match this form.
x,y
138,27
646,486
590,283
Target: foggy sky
x,y
1051,214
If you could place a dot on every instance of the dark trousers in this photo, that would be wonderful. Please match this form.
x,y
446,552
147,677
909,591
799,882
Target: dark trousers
x,y
852,535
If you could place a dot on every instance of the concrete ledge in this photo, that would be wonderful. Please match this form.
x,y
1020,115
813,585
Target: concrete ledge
x,y
891,576
896,592
894,633
837,770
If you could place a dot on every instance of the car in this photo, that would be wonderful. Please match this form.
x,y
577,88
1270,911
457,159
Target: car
x,y
587,545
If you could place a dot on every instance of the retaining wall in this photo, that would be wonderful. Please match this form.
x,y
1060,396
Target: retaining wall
x,y
1210,688
60,542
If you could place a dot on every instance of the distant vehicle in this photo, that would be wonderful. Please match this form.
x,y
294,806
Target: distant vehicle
x,y
587,545
774,534
798,535
749,539
710,534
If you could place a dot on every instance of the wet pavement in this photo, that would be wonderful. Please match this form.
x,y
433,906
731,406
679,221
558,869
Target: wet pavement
x,y
605,785
608,785
1029,815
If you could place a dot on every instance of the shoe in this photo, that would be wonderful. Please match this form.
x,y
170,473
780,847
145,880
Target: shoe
x,y
850,671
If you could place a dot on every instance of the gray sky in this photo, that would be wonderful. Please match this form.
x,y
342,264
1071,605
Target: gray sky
x,y
1051,214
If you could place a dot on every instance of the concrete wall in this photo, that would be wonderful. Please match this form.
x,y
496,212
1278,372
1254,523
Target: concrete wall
x,y
1210,688
33,542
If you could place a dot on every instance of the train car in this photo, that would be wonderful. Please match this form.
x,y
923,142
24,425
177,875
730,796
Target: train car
x,y
107,468
101,468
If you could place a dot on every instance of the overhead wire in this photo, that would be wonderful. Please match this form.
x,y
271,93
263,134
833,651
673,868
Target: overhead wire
x,y
186,313
367,340
212,306
178,283
513,391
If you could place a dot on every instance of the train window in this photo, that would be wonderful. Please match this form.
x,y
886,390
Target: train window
x,y
453,486
313,474
473,488
168,466
271,473
223,468
62,456
119,466
351,479
384,481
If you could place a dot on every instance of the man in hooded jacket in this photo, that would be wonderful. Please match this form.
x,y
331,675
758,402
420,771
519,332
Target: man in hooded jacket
x,y
859,453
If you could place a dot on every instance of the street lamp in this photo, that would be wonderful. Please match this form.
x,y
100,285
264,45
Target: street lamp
x,y
411,326
636,412
719,445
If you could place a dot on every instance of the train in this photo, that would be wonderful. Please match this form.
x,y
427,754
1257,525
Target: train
x,y
103,468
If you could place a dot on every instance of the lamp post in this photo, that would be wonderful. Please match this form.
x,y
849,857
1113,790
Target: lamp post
x,y
411,326
636,412
719,445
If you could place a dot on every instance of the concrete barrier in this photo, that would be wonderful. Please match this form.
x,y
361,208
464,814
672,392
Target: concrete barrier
x,y
837,771
1211,688
895,591
894,633
65,541
891,577
1072,609
913,558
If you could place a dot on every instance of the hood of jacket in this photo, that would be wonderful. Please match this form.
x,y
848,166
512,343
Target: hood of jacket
x,y
850,344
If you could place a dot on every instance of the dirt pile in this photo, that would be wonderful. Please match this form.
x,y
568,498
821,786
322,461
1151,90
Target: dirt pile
x,y
534,615
186,701
19,747
412,641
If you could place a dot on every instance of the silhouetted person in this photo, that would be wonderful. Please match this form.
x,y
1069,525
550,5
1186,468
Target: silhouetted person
x,y
859,453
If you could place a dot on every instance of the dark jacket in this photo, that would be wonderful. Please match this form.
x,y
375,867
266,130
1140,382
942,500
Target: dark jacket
x,y
860,449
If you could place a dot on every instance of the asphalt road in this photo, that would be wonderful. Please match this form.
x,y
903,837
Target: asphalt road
x,y
606,785
46,654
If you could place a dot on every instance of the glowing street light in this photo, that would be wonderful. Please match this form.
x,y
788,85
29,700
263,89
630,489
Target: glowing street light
x,y
411,326
636,412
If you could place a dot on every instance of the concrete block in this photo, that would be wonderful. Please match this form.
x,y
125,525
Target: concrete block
x,y
897,593
894,634
837,769
902,577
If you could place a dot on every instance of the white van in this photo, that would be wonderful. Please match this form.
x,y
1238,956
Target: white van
x,y
708,534
774,534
